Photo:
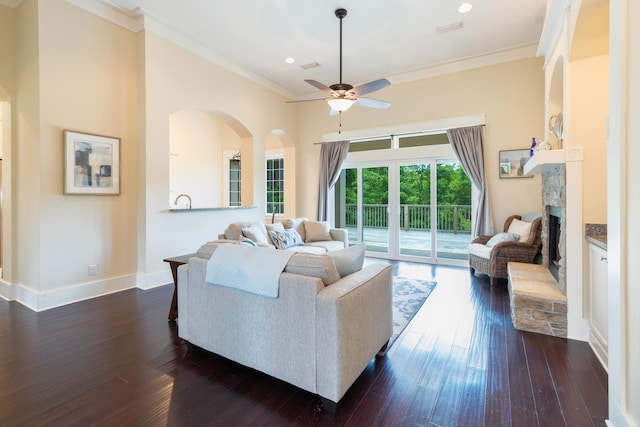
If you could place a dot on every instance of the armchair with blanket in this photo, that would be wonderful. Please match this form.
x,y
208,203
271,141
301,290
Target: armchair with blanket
x,y
520,242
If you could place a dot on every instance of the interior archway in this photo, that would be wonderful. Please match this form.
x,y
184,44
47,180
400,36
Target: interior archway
x,y
279,144
201,145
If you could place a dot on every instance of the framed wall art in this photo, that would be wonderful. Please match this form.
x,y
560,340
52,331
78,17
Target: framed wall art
x,y
91,164
511,163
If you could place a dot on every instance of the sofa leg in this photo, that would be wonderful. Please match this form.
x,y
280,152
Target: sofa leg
x,y
494,281
328,405
383,350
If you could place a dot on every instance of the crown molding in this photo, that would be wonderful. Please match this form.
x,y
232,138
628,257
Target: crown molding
x,y
139,19
470,63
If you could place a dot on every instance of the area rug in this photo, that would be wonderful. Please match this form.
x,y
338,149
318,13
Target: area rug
x,y
408,297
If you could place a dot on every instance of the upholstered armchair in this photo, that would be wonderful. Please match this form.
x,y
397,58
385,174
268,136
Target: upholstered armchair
x,y
520,242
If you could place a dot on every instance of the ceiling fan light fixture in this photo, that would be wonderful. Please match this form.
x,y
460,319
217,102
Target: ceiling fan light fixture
x,y
340,104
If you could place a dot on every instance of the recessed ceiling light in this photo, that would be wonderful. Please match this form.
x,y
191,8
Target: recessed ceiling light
x,y
465,7
289,60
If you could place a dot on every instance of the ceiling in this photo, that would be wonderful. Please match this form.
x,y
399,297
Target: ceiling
x,y
396,39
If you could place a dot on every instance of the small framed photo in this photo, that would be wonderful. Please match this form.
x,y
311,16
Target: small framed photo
x,y
91,164
511,163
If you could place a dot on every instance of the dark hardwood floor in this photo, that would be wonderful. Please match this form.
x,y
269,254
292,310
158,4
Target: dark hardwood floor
x,y
116,361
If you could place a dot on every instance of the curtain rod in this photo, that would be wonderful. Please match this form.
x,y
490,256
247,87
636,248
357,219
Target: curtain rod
x,y
390,136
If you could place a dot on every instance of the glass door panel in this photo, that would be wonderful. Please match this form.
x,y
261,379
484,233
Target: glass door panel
x,y
346,204
453,201
375,209
414,235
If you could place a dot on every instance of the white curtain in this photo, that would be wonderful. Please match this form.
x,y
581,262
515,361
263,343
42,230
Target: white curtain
x,y
467,143
332,155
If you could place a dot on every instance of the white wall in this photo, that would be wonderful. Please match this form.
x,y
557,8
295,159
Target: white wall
x,y
623,202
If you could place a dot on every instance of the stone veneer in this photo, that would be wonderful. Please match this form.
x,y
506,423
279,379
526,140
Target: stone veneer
x,y
537,305
538,300
553,194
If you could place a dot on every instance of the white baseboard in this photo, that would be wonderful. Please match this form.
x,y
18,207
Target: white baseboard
x,y
40,301
153,280
6,291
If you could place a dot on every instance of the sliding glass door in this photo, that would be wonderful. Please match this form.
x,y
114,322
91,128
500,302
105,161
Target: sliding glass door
x,y
412,210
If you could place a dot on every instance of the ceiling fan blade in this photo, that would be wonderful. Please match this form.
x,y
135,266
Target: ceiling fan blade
x,y
370,87
372,103
320,86
306,100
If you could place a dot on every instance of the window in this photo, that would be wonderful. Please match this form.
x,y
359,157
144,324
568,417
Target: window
x,y
235,182
275,185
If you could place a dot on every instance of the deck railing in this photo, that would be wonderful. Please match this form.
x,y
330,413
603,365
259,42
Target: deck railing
x,y
452,218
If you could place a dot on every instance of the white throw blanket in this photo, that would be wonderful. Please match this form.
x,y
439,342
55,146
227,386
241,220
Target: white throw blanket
x,y
247,268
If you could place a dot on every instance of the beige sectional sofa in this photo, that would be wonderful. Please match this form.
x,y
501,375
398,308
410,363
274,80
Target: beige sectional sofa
x,y
317,237
319,334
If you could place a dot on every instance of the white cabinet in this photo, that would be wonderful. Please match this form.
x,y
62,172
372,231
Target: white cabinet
x,y
598,296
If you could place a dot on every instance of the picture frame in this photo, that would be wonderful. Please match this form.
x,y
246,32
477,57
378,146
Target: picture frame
x,y
91,164
511,163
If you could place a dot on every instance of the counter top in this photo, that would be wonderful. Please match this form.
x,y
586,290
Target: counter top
x,y
596,234
228,208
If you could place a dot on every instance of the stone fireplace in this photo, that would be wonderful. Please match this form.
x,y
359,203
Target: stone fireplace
x,y
554,233
538,292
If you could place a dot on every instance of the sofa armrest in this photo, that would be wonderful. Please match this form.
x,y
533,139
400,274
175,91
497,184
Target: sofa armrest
x,y
340,235
481,239
354,321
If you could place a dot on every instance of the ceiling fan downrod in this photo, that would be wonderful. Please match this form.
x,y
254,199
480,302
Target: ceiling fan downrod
x,y
341,13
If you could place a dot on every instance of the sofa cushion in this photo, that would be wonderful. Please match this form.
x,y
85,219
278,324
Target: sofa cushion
x,y
297,224
503,237
316,231
320,266
308,249
522,228
256,234
234,230
327,246
286,238
348,260
480,250
207,249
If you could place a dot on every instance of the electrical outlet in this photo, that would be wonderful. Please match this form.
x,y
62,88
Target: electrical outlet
x,y
93,270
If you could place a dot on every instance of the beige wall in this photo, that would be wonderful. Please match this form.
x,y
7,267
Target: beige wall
x,y
176,80
511,95
588,102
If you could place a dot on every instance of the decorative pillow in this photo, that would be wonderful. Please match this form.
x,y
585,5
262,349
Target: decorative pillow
x,y
522,228
348,260
255,234
234,230
286,238
298,225
503,237
277,226
247,241
316,231
320,266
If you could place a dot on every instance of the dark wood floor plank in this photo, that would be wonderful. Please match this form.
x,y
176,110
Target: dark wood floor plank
x,y
115,360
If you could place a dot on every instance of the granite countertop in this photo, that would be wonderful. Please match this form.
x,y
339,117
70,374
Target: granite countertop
x,y
596,234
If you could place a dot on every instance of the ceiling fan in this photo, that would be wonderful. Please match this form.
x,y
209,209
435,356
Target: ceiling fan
x,y
343,95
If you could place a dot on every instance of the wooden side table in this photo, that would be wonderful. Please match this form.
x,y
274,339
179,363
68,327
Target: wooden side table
x,y
174,263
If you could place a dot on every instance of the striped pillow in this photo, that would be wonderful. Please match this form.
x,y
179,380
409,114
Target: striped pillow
x,y
286,238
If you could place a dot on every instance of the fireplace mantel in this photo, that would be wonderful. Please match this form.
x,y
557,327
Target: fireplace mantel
x,y
541,159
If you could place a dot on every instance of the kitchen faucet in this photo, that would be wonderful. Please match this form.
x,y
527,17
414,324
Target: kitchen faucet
x,y
183,195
